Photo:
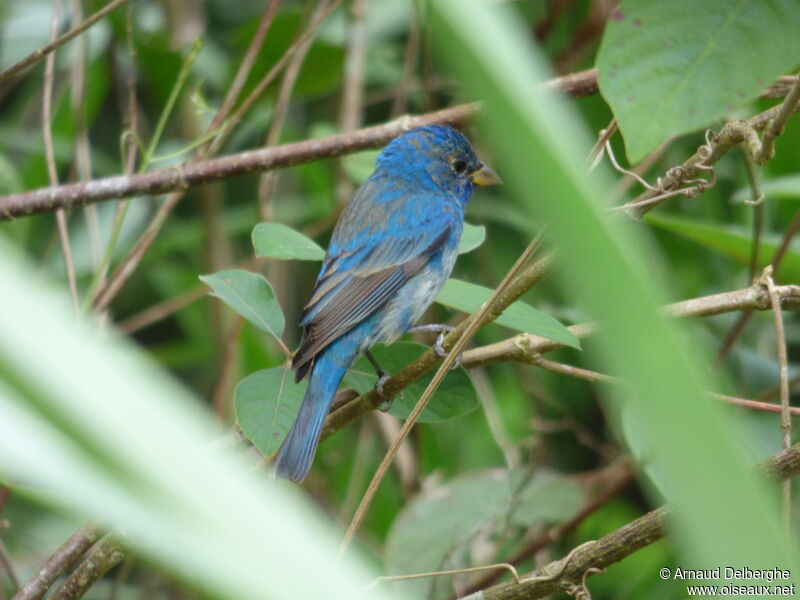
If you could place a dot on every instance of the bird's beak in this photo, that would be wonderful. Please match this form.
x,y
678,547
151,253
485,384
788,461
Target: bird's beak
x,y
485,176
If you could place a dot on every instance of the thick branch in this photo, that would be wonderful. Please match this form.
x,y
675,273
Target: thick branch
x,y
567,573
68,553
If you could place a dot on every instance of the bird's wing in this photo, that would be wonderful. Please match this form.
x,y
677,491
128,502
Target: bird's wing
x,y
367,262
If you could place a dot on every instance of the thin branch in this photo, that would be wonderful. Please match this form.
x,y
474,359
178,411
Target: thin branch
x,y
776,125
7,565
103,557
732,134
564,574
61,559
39,54
473,323
777,259
783,361
52,171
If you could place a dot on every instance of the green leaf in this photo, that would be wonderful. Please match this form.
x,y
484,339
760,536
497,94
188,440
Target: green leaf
x,y
735,242
438,520
549,497
359,165
274,240
250,295
456,396
668,68
472,237
468,297
267,403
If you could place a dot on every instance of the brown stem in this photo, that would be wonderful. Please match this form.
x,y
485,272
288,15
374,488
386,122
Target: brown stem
x,y
103,557
68,553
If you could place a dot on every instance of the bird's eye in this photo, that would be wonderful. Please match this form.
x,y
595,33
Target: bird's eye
x,y
460,167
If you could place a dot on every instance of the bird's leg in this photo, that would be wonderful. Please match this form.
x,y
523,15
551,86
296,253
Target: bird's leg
x,y
442,330
382,377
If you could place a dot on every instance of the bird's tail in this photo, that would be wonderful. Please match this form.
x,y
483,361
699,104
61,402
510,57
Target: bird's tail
x,y
297,451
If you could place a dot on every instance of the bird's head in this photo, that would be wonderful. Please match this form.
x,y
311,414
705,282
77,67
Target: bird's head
x,y
440,153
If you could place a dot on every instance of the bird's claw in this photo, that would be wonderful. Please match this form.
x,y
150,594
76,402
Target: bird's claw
x,y
387,399
438,346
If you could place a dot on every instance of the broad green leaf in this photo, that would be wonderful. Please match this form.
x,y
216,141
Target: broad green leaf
x,y
438,521
733,241
548,497
607,266
472,237
250,295
275,240
266,406
668,68
433,532
777,188
453,398
468,297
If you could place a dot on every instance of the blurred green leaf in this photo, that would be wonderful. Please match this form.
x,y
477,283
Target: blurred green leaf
x,y
469,297
436,522
733,241
668,68
143,462
359,165
275,240
548,497
267,403
250,295
432,531
609,266
454,397
472,237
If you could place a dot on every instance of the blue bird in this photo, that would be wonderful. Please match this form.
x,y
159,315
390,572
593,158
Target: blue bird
x,y
392,249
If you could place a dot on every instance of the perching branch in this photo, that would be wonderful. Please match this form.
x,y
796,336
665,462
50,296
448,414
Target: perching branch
x,y
68,553
527,347
567,573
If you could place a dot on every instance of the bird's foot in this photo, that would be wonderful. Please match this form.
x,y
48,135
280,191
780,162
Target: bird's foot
x,y
383,376
442,330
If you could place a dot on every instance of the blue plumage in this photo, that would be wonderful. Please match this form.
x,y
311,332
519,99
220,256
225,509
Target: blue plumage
x,y
393,248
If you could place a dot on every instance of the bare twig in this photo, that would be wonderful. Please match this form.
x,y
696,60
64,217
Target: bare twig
x,y
39,54
7,565
67,553
777,259
473,324
776,125
732,134
103,557
783,361
506,566
52,171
